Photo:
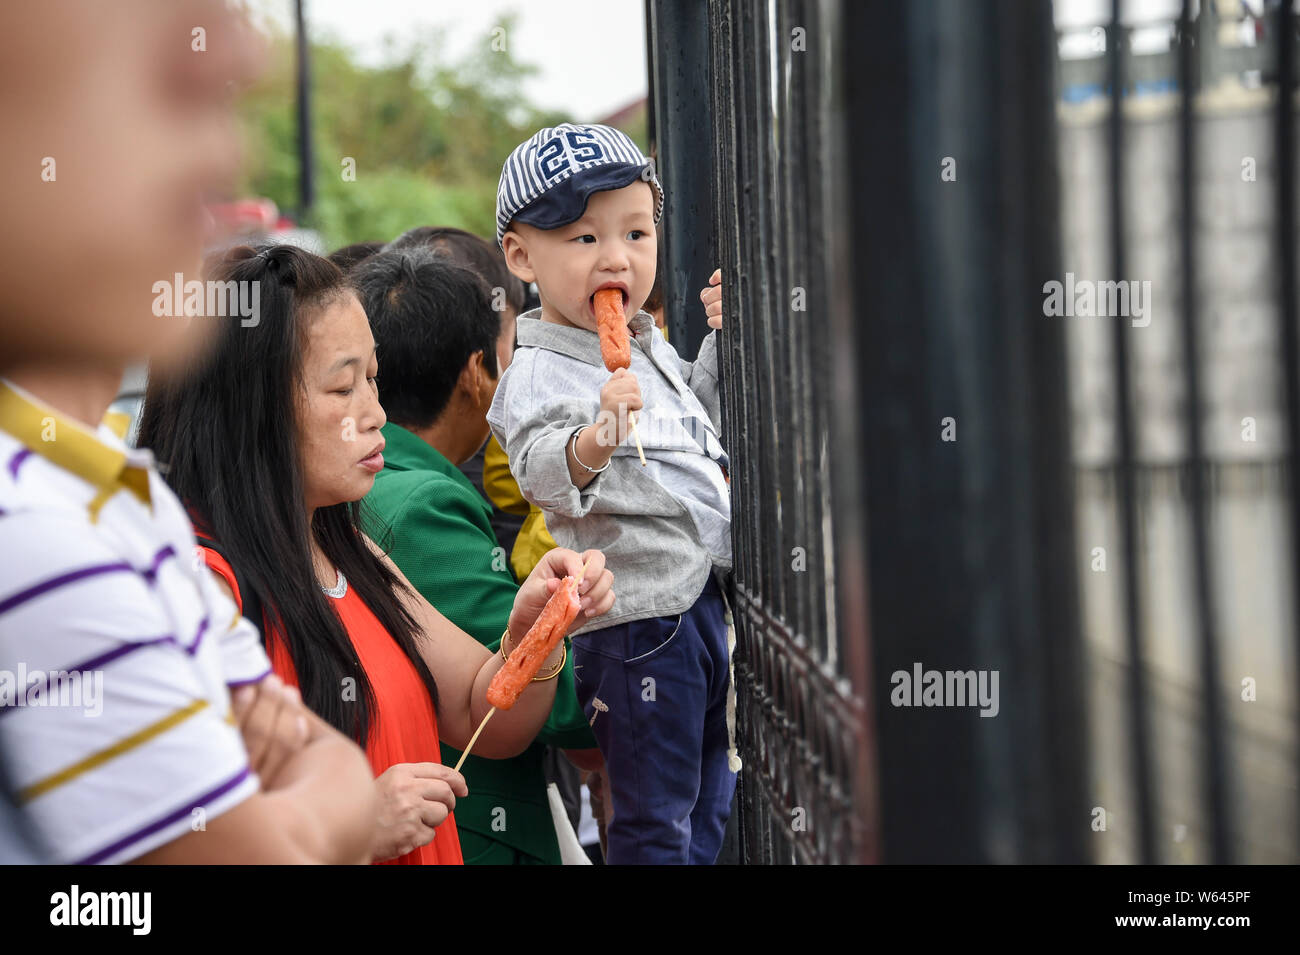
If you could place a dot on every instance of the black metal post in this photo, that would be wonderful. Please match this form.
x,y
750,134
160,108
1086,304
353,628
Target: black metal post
x,y
306,172
681,135
1285,25
963,426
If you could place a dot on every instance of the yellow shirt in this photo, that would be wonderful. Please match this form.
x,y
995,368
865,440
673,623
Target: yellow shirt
x,y
534,539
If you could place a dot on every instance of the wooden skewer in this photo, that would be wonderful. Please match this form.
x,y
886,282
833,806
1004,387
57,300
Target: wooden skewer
x,y
461,761
631,419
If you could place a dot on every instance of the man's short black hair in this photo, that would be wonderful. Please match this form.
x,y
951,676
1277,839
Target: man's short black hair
x,y
428,317
464,248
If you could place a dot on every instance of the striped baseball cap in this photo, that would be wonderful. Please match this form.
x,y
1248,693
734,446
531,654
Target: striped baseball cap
x,y
547,180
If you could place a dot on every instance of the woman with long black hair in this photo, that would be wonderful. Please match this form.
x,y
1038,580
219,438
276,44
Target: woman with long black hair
x,y
272,440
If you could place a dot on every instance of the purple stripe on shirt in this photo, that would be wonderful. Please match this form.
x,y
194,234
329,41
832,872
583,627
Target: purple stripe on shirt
x,y
17,461
105,658
91,664
236,684
165,821
152,573
198,637
45,586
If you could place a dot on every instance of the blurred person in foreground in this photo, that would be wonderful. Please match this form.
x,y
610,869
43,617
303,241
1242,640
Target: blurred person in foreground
x,y
170,741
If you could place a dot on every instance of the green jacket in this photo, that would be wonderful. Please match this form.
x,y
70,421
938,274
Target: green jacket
x,y
437,528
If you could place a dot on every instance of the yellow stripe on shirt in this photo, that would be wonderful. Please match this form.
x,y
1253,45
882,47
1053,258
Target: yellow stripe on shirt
x,y
70,445
136,739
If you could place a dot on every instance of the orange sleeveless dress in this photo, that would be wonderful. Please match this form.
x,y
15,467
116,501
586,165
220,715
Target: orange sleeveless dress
x,y
404,728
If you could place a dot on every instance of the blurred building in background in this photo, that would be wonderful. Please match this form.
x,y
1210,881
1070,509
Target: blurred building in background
x,y
1234,222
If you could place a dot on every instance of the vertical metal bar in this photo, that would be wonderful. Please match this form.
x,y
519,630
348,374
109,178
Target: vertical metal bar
x,y
1048,789
1287,294
679,40
787,413
761,250
1206,606
1137,690
796,96
753,819
848,608
889,394
651,58
756,249
306,160
826,364
778,172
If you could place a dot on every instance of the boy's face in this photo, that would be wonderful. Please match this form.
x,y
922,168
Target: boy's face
x,y
613,244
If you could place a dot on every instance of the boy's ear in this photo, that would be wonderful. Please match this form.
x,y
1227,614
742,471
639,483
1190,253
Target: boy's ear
x,y
517,260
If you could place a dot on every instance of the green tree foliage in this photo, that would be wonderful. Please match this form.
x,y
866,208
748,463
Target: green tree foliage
x,y
428,135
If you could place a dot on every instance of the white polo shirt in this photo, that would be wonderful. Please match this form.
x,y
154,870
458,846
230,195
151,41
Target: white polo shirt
x,y
117,651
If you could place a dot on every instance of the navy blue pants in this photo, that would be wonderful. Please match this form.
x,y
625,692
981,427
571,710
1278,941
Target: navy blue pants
x,y
655,691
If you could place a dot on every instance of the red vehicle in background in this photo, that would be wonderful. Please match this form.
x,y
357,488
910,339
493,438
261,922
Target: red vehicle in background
x,y
259,220
236,222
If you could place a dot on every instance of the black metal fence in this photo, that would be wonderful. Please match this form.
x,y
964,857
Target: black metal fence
x,y
935,473
801,676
